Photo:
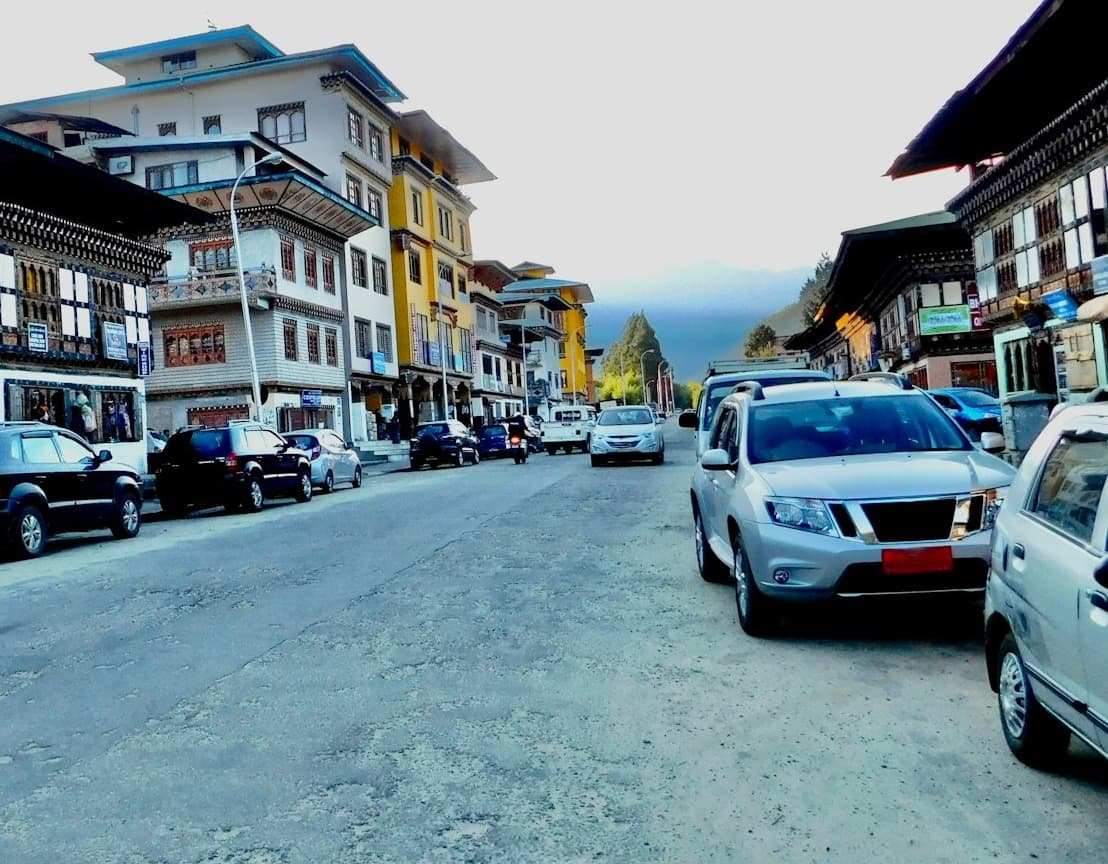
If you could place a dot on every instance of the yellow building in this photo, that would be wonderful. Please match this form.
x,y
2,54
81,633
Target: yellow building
x,y
575,372
432,263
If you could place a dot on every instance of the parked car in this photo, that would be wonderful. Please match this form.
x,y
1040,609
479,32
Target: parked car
x,y
625,433
974,410
333,459
492,441
444,442
237,465
845,488
51,481
1046,607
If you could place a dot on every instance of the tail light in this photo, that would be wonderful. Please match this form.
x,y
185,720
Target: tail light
x,y
514,440
232,462
315,452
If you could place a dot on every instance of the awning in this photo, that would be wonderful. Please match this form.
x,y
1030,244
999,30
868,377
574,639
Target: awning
x,y
1094,310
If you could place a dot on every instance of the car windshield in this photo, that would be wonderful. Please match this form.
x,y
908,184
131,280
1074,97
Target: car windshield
x,y
625,417
719,390
849,427
977,399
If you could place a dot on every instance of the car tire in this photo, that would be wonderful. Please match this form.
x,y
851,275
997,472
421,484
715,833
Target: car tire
x,y
416,464
756,611
329,483
551,450
710,567
476,458
1034,735
254,499
596,461
29,532
357,481
127,518
459,459
304,487
569,449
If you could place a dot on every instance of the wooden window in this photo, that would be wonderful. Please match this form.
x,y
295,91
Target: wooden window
x,y
213,124
194,346
384,341
380,277
178,62
354,190
404,146
328,274
291,339
417,206
172,175
331,340
363,338
446,222
373,202
415,270
213,255
463,289
375,138
165,129
354,127
313,343
311,276
288,259
358,274
446,279
283,123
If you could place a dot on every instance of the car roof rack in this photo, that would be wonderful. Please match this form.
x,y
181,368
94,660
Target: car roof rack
x,y
751,387
895,378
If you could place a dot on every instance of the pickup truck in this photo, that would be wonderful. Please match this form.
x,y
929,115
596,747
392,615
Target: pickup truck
x,y
569,427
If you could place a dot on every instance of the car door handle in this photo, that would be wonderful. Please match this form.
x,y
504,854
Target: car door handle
x,y
1018,551
1097,598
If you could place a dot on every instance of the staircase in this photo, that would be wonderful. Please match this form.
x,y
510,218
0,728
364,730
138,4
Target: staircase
x,y
376,452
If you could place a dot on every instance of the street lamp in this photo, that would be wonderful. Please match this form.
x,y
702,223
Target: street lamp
x,y
642,370
265,160
622,381
660,385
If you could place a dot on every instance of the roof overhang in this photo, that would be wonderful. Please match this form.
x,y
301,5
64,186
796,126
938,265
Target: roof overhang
x,y
493,274
462,166
245,38
579,291
993,114
290,191
554,302
132,144
68,122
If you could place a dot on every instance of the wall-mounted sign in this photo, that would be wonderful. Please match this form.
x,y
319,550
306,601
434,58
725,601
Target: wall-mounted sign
x,y
1100,275
311,398
115,341
37,338
433,353
1062,304
973,300
121,165
937,320
145,359
378,361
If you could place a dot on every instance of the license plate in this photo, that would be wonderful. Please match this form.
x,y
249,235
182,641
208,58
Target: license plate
x,y
931,559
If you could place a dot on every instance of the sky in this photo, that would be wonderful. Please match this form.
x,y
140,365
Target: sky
x,y
630,139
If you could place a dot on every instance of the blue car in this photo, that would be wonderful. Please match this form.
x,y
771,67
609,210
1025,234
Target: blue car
x,y
974,410
493,441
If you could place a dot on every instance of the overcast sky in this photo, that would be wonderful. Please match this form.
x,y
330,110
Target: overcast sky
x,y
628,138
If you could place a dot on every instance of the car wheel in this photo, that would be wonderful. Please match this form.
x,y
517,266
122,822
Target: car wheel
x,y
254,498
476,457
710,567
596,461
459,458
551,450
416,464
357,481
127,519
304,486
756,613
568,448
1033,734
329,483
29,532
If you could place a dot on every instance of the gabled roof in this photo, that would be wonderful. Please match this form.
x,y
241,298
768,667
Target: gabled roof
x,y
531,267
244,37
1010,99
435,140
580,291
550,301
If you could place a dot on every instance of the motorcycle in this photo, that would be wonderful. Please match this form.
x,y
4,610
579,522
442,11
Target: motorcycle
x,y
518,447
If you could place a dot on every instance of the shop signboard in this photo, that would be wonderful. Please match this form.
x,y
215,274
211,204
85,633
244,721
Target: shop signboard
x,y
1100,275
973,300
937,320
115,341
1062,304
433,353
378,361
145,359
311,398
37,338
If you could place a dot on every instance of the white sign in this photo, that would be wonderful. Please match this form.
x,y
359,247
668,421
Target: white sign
x,y
121,165
37,339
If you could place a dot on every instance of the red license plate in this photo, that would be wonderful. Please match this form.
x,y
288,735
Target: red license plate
x,y
932,559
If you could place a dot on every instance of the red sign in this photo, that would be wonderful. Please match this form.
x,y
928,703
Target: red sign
x,y
973,300
930,559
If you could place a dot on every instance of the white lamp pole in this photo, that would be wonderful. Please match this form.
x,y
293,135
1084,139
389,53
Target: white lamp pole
x,y
660,385
622,381
266,160
642,371
442,359
523,345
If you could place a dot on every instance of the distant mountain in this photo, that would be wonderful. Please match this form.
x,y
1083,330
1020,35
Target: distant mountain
x,y
700,314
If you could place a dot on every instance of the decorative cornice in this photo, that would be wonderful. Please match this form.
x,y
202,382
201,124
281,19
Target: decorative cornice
x,y
339,81
281,301
409,164
403,239
258,217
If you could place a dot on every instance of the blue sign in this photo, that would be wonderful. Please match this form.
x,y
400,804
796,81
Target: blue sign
x,y
1100,275
311,398
145,359
378,361
1062,304
115,341
433,353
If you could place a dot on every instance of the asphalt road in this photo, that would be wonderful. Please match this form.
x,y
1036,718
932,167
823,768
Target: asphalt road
x,y
501,663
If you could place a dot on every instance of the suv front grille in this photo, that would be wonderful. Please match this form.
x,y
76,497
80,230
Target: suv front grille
x,y
907,521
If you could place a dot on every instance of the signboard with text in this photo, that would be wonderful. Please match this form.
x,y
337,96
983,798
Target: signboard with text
x,y
938,320
37,338
115,341
378,361
1100,275
433,353
145,359
1062,304
311,398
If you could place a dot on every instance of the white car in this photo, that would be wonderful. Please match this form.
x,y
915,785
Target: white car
x,y
333,460
842,488
627,432
1046,607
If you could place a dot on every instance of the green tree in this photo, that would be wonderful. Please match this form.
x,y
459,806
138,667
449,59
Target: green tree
x,y
622,359
761,342
685,395
814,291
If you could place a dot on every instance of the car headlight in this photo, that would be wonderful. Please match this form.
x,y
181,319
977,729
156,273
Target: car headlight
x,y
994,500
807,514
648,436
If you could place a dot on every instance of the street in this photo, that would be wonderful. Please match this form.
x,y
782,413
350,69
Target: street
x,y
494,663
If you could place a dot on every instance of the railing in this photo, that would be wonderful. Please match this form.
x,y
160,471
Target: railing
x,y
497,385
210,287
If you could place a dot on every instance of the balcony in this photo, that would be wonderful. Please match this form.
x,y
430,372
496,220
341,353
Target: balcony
x,y
212,287
493,384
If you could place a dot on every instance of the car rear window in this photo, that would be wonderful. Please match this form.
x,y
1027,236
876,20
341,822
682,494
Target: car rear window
x,y
210,443
493,432
303,442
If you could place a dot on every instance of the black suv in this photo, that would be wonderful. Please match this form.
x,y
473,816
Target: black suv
x,y
446,442
51,481
237,465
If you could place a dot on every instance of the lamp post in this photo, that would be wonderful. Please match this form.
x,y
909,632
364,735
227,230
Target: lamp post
x,y
523,353
266,160
661,385
442,360
622,381
642,370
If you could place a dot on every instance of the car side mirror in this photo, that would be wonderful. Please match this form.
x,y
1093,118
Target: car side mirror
x,y
716,460
349,445
104,456
1101,573
687,419
993,442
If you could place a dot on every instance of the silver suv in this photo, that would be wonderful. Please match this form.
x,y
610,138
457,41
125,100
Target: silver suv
x,y
847,488
1046,607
